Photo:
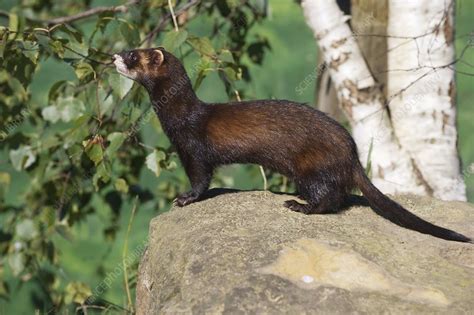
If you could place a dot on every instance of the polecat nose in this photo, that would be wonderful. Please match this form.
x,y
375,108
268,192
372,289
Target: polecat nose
x,y
115,57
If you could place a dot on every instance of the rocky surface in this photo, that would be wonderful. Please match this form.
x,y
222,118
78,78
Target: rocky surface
x,y
239,253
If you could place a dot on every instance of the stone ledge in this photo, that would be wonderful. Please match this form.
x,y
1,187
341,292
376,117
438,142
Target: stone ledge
x,y
245,253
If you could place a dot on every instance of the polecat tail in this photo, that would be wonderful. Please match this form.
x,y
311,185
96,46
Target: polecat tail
x,y
394,212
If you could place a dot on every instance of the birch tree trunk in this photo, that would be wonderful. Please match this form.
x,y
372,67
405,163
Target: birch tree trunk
x,y
361,100
326,95
325,92
422,91
371,17
368,17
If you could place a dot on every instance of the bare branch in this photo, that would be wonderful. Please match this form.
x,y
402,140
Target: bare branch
x,y
462,72
432,69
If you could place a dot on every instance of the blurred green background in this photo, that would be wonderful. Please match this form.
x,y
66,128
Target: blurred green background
x,y
91,254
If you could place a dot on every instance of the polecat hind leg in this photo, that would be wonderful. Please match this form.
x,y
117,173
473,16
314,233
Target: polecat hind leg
x,y
187,198
320,208
323,196
294,205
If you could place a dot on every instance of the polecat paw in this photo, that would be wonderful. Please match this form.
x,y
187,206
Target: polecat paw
x,y
185,199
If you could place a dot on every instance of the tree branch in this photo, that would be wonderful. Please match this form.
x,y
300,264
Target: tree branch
x,y
150,36
72,18
94,11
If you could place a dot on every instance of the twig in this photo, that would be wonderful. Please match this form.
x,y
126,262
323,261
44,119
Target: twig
x,y
146,146
115,305
432,69
150,36
107,64
265,183
94,11
88,13
237,95
84,308
461,72
175,23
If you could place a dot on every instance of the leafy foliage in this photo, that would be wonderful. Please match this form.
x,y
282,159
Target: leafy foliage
x,y
86,145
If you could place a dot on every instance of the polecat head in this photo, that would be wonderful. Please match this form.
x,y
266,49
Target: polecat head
x,y
140,64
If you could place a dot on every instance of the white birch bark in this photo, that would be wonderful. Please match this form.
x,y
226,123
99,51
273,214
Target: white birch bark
x,y
361,99
424,113
326,96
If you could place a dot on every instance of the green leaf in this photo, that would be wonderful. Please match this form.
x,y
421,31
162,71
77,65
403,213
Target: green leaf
x,y
4,291
13,22
76,52
64,231
104,19
120,84
48,216
26,230
173,40
44,41
226,56
5,179
57,47
22,158
203,45
66,109
202,69
68,29
233,3
29,50
231,74
102,174
171,166
158,3
153,161
125,85
121,185
130,33
94,151
3,43
106,101
71,108
83,70
77,292
17,262
116,139
54,91
18,88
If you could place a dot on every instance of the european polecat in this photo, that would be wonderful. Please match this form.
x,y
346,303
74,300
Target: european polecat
x,y
302,143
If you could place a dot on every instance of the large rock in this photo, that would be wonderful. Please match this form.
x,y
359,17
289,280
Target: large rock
x,y
240,253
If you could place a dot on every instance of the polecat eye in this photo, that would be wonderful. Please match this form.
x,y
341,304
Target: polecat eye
x,y
132,56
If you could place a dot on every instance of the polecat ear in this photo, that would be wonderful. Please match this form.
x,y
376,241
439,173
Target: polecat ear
x,y
158,57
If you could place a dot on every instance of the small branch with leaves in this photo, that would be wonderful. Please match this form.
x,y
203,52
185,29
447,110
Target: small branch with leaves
x,y
82,15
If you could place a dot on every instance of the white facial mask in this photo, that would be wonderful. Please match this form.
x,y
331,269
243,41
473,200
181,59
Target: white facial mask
x,y
122,68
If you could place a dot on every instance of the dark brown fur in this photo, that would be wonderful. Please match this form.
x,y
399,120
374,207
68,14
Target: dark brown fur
x,y
304,144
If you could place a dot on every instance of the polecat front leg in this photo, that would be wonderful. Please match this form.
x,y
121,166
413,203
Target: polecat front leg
x,y
199,174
